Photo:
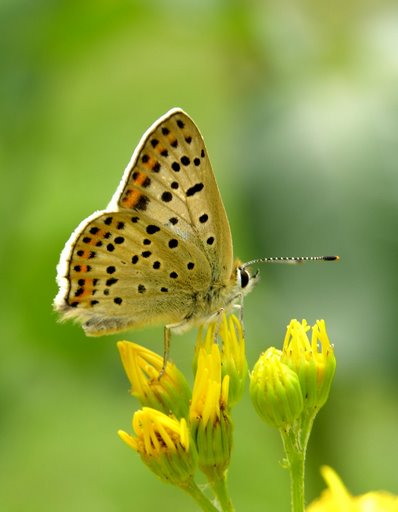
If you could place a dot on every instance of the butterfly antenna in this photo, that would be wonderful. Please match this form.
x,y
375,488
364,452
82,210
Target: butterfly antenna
x,y
292,260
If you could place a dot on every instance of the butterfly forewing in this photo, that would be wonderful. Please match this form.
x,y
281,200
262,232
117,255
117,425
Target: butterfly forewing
x,y
171,179
163,240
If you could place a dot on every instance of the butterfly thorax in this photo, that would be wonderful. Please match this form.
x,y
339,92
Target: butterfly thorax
x,y
220,296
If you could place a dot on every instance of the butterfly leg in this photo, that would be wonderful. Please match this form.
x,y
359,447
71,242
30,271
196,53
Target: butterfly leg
x,y
166,342
166,349
239,307
219,319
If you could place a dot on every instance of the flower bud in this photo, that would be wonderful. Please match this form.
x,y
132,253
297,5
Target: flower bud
x,y
211,426
164,445
167,392
275,390
233,357
313,361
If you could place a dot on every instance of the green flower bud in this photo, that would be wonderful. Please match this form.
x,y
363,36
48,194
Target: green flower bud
x,y
275,390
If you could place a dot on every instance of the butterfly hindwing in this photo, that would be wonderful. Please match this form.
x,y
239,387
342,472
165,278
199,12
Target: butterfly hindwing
x,y
126,269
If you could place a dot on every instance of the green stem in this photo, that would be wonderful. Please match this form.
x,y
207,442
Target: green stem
x,y
295,443
296,468
204,503
306,428
295,456
219,486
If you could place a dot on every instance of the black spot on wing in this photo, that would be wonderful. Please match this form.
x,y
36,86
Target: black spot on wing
x,y
194,189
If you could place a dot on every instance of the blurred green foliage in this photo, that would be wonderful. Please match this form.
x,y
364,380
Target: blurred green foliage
x,y
298,103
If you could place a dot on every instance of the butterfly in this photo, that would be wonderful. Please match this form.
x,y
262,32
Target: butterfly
x,y
161,252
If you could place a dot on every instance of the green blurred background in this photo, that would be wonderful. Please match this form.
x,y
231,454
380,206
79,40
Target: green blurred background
x,y
298,103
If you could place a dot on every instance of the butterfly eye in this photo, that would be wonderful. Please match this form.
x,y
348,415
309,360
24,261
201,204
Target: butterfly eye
x,y
244,278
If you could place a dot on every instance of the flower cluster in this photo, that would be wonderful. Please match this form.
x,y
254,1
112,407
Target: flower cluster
x,y
292,384
177,430
288,387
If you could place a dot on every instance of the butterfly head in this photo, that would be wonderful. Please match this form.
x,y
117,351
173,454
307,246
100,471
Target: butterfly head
x,y
245,278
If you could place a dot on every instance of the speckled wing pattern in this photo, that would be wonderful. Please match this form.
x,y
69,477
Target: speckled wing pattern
x,y
163,239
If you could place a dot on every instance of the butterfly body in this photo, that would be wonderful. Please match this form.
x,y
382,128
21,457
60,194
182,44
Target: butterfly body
x,y
161,252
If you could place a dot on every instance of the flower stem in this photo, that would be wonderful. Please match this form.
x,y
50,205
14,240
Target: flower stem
x,y
296,468
219,486
295,456
295,442
204,503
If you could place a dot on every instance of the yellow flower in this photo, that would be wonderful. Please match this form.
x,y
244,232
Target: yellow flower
x,y
275,390
209,418
163,443
233,356
168,393
313,361
337,498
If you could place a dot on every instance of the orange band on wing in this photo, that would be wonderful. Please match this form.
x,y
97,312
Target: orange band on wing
x,y
83,289
131,198
82,268
134,198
